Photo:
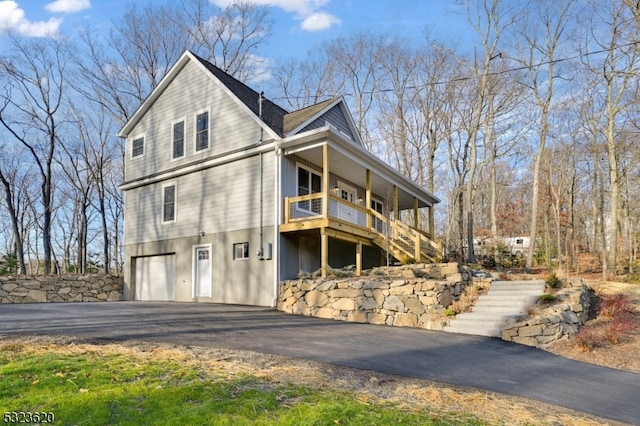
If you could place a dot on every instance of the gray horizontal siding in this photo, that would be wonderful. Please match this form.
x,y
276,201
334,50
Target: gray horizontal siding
x,y
335,117
192,91
220,199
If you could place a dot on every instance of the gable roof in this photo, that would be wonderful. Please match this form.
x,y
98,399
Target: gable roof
x,y
272,114
299,117
278,120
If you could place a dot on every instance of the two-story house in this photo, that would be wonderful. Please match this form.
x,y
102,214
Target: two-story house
x,y
227,194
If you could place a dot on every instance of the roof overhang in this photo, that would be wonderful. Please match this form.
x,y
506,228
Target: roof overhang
x,y
351,161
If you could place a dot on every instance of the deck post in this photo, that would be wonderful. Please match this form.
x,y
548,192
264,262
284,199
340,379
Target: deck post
x,y
416,224
325,181
324,252
367,199
287,210
359,259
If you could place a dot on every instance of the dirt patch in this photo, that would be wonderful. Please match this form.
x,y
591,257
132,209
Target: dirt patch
x,y
410,394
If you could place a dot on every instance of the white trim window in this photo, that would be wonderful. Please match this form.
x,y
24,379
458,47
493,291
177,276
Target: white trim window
x,y
240,251
169,202
309,182
177,139
137,146
202,125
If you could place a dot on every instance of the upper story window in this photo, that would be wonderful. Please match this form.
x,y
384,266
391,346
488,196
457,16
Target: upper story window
x,y
169,203
202,131
137,147
178,139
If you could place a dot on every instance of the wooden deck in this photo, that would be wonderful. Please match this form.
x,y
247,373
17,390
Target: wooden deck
x,y
337,218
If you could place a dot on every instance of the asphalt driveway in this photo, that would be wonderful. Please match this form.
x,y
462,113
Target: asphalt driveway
x,y
479,362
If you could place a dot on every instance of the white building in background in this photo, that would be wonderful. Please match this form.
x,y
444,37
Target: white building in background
x,y
517,246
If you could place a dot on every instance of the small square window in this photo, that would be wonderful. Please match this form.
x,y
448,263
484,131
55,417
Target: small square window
x,y
178,139
240,251
137,147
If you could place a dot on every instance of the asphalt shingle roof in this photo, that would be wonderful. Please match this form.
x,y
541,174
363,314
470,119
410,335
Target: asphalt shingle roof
x,y
272,114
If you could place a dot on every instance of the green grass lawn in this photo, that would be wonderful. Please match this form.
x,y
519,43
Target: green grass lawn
x,y
96,388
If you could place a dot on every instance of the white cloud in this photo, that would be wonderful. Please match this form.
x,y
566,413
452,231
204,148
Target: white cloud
x,y
319,21
68,6
12,19
308,11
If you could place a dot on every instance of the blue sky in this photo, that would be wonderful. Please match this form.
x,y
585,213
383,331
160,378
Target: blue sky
x,y
300,25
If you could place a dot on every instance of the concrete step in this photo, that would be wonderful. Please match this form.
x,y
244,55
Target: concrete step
x,y
505,300
477,330
482,316
521,302
522,285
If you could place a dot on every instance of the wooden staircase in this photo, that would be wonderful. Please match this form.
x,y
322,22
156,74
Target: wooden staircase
x,y
403,242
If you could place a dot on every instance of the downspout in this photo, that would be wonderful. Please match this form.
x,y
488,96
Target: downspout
x,y
261,232
276,228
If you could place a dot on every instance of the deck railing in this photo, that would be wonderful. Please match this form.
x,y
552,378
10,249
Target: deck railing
x,y
404,240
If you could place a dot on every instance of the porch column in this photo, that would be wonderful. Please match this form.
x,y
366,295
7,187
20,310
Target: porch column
x,y
431,222
367,198
396,212
415,213
325,181
359,259
324,252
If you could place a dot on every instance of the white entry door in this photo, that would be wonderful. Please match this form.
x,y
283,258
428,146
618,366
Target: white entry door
x,y
202,272
345,211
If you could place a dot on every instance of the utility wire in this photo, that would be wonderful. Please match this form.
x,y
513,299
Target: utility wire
x,y
466,78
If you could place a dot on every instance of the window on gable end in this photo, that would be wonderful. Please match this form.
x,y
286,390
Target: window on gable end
x,y
178,139
137,147
169,203
202,131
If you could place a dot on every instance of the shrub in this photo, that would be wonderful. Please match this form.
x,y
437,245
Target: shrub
x,y
339,273
553,281
449,312
587,339
546,298
617,328
303,275
615,306
377,272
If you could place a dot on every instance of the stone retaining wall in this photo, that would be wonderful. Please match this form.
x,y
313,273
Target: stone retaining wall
x,y
410,296
65,288
558,321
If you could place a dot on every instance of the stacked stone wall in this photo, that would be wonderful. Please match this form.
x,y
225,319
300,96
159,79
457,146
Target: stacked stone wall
x,y
410,296
65,288
558,321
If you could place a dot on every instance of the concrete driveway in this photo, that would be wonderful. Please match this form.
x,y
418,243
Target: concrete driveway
x,y
484,363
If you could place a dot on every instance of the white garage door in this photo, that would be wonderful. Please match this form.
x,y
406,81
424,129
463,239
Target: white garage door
x,y
155,277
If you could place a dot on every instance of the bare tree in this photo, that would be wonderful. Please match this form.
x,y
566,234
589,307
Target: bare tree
x,y
13,185
229,38
542,38
618,73
32,112
489,19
